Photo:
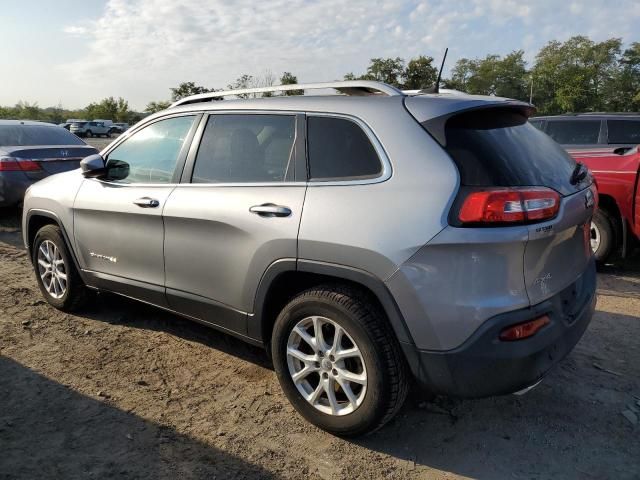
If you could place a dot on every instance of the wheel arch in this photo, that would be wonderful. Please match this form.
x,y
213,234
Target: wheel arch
x,y
36,219
285,278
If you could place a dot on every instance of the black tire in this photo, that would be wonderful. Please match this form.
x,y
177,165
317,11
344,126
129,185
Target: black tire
x,y
76,293
108,134
386,371
88,134
604,224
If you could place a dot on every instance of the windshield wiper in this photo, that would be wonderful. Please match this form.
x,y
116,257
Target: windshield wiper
x,y
578,173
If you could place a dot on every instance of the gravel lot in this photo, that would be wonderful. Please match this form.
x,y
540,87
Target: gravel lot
x,y
127,390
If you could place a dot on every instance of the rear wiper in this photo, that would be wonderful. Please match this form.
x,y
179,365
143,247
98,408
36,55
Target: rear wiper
x,y
578,173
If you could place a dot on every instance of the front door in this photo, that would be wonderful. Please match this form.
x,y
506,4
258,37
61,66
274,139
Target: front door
x,y
238,212
118,226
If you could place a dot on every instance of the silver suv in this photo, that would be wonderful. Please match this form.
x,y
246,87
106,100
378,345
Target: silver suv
x,y
91,129
367,240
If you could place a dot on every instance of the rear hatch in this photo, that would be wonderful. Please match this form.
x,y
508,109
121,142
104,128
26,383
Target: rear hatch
x,y
498,152
51,159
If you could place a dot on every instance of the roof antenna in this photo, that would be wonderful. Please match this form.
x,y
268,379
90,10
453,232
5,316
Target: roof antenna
x,y
436,87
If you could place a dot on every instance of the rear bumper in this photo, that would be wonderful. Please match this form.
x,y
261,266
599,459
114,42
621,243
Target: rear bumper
x,y
484,366
12,188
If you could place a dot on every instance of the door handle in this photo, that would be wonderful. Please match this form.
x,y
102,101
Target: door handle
x,y
146,202
270,210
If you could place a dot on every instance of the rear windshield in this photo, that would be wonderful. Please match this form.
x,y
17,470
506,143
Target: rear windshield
x,y
499,148
30,135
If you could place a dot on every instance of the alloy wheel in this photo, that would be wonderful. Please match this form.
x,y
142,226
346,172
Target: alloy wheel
x,y
52,269
326,366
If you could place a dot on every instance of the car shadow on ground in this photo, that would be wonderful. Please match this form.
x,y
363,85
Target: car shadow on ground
x,y
81,437
118,310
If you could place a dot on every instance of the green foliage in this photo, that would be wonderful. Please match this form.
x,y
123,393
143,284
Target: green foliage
x,y
576,75
153,107
420,73
288,78
492,75
110,109
186,89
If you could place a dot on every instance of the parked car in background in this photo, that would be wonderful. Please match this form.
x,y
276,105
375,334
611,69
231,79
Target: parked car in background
x,y
616,223
30,151
600,132
91,129
364,239
120,127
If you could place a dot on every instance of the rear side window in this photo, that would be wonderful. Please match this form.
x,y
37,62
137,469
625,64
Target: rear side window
x,y
499,148
624,131
539,124
245,149
31,135
574,132
339,150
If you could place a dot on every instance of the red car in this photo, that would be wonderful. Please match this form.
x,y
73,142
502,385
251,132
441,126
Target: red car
x,y
616,223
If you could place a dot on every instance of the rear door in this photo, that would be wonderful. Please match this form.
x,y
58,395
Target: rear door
x,y
118,224
499,148
236,213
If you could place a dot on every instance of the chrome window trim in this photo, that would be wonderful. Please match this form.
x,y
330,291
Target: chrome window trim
x,y
386,174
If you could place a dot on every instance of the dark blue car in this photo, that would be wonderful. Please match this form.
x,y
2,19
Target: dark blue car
x,y
30,151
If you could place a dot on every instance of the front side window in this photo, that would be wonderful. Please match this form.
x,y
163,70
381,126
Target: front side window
x,y
340,150
239,148
150,155
574,132
624,131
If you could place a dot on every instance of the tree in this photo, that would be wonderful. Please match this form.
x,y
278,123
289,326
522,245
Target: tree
x,y
387,70
288,78
244,81
420,73
153,107
492,75
622,92
571,76
109,109
27,111
186,89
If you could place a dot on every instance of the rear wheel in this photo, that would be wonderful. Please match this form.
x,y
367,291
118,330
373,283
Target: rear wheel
x,y
88,134
55,272
337,360
602,235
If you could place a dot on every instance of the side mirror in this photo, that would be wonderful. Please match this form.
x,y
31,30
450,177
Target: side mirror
x,y
93,166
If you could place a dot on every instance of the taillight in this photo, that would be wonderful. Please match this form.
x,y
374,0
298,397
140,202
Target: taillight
x,y
509,205
14,164
524,330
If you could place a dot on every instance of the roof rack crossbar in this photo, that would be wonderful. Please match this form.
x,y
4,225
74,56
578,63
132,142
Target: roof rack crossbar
x,y
351,87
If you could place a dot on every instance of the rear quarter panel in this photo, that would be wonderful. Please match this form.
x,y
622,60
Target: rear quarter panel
x,y
376,226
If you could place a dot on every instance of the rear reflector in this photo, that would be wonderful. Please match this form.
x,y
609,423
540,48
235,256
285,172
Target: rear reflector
x,y
12,164
524,330
510,205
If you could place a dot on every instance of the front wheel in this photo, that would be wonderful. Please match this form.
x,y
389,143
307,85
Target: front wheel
x,y
602,236
56,274
338,361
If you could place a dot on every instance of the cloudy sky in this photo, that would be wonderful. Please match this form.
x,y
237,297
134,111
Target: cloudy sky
x,y
75,52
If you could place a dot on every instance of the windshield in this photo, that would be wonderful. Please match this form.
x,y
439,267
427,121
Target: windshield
x,y
31,135
499,148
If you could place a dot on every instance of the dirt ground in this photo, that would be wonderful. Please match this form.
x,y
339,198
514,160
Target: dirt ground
x,y
126,390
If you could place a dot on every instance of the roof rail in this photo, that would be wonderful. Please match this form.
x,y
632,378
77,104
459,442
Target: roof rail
x,y
350,87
